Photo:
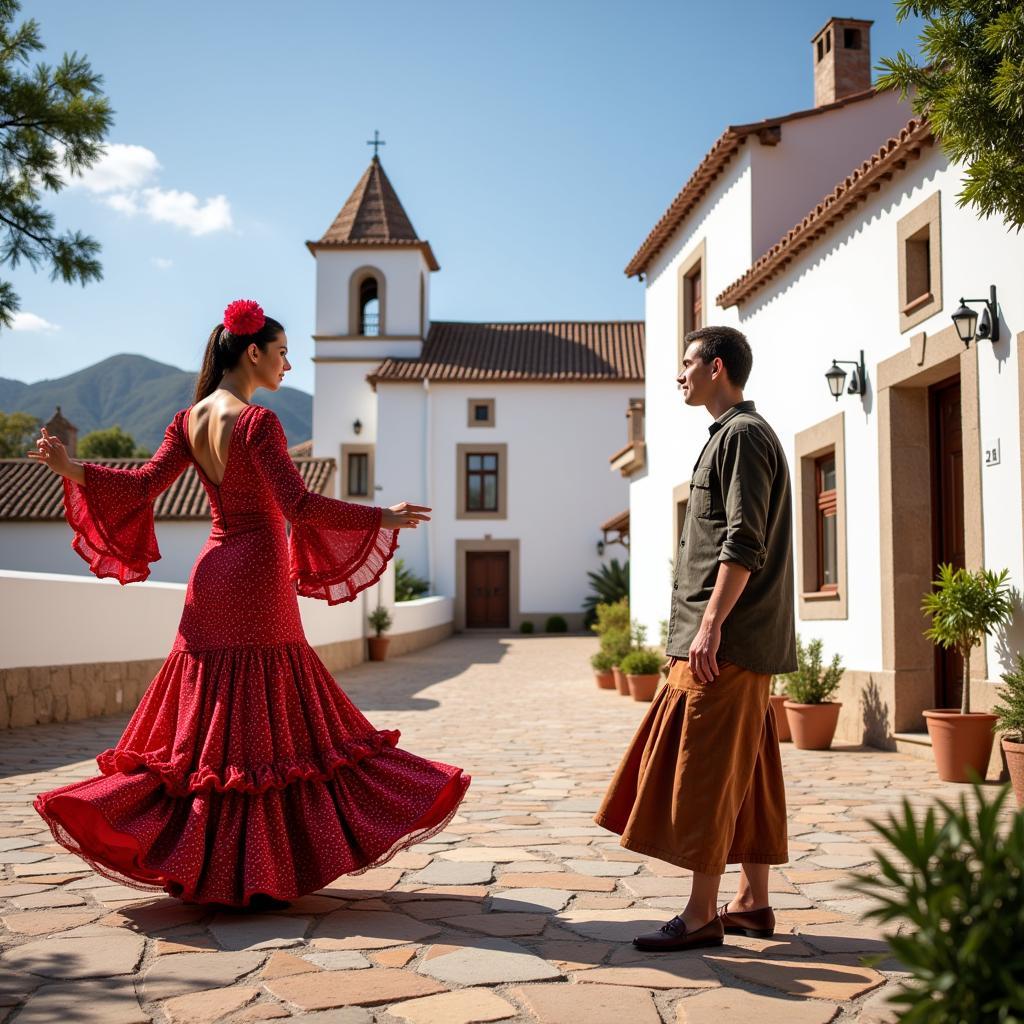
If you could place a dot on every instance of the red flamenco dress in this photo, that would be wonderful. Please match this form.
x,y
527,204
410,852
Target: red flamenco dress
x,y
245,769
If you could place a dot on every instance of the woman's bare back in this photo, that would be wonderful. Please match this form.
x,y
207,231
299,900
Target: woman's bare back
x,y
211,424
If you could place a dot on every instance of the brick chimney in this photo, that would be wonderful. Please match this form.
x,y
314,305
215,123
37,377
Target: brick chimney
x,y
842,59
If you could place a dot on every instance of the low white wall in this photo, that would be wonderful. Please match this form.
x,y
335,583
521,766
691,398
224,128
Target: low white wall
x,y
56,619
423,613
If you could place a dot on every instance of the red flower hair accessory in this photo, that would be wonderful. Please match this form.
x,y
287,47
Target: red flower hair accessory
x,y
244,316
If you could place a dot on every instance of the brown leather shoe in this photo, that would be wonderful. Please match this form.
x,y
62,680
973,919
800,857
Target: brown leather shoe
x,y
757,924
674,936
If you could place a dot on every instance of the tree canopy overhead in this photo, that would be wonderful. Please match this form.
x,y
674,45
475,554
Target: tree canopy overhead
x,y
52,123
970,86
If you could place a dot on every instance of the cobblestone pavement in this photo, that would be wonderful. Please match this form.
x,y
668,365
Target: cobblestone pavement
x,y
521,911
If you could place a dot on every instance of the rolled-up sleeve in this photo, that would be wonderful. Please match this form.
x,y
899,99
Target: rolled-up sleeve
x,y
747,470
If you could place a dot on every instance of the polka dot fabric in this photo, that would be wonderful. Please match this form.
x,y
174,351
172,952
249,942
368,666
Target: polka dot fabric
x,y
245,768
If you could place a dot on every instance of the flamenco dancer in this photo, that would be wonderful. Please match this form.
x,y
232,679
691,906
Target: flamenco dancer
x,y
246,777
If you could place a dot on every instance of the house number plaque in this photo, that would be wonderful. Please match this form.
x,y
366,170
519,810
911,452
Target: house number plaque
x,y
992,454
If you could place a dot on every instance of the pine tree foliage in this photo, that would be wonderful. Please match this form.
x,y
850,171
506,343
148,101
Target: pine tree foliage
x,y
52,124
970,86
1011,707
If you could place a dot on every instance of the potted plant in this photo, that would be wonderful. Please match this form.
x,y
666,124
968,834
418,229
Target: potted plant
x,y
616,643
956,887
1010,722
601,663
964,607
641,667
380,621
778,698
810,712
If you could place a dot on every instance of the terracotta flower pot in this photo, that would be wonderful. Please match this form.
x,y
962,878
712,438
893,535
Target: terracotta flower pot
x,y
605,680
778,702
643,687
1015,764
812,725
379,647
621,683
960,743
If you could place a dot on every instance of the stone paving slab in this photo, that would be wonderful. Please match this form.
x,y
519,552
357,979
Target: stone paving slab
x,y
522,910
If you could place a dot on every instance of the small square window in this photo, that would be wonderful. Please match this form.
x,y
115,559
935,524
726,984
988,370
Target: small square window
x,y
481,412
821,49
919,252
851,38
356,471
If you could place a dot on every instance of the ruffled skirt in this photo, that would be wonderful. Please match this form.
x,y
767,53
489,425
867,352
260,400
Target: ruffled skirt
x,y
247,770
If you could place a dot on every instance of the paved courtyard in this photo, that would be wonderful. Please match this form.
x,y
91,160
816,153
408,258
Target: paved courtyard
x,y
521,911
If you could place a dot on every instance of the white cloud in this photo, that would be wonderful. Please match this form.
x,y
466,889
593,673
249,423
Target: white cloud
x,y
187,211
121,168
161,263
125,179
32,322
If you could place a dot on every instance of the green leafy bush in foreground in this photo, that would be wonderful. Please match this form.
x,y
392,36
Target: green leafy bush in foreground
x,y
960,899
642,662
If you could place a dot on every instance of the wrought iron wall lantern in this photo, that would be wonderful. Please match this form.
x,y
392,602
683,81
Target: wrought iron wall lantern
x,y
600,548
966,320
357,427
836,377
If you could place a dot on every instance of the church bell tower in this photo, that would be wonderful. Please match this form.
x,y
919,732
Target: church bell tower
x,y
372,303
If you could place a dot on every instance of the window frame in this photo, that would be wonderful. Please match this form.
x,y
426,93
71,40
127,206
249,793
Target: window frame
x,y
358,449
355,309
471,405
462,452
811,446
826,507
696,261
913,309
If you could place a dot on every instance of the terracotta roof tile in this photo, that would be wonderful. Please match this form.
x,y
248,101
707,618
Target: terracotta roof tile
x,y
711,167
30,492
555,351
373,216
842,200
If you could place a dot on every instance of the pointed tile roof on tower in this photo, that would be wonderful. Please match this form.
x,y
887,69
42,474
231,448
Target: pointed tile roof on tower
x,y
373,216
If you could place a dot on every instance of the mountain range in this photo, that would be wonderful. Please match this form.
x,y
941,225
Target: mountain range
x,y
140,395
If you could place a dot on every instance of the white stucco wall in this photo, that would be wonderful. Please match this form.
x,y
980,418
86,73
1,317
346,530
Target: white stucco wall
x,y
814,155
43,546
57,619
402,270
841,296
560,488
674,433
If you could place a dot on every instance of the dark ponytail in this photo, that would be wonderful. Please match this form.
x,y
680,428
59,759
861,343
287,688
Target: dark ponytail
x,y
224,350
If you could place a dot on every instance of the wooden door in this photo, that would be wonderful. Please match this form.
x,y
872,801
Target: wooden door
x,y
947,518
487,589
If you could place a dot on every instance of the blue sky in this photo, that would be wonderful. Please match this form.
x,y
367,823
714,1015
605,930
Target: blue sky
x,y
534,144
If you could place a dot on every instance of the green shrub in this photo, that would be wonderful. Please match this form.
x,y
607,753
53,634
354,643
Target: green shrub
x,y
964,608
380,619
611,616
642,662
526,626
609,585
780,686
1011,710
616,643
810,683
960,896
663,633
556,624
602,662
408,586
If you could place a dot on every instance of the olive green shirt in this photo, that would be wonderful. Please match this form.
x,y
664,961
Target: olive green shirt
x,y
739,510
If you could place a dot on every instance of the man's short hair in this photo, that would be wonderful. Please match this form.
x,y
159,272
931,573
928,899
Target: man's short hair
x,y
727,344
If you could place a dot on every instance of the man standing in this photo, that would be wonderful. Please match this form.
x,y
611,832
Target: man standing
x,y
701,784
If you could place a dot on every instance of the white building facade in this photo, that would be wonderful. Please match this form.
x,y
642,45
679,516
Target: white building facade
x,y
499,427
926,465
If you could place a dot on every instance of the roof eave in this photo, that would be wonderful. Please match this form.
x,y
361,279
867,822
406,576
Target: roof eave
x,y
424,247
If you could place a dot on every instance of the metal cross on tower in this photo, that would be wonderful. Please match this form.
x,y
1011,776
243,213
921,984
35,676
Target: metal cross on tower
x,y
376,141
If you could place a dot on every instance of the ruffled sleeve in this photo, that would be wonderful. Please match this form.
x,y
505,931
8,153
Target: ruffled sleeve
x,y
336,548
112,513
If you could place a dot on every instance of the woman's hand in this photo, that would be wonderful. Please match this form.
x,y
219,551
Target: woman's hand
x,y
404,516
50,451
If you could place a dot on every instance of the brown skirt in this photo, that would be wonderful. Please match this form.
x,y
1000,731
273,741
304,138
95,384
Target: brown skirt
x,y
701,784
